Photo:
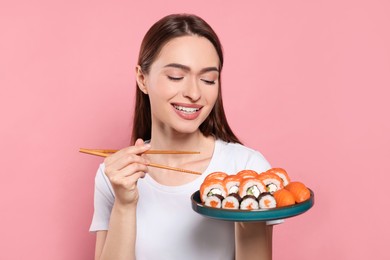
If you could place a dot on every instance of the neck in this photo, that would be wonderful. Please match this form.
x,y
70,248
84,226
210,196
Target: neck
x,y
195,162
185,142
178,141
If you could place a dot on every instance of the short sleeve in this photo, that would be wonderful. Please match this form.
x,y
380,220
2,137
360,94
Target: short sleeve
x,y
103,201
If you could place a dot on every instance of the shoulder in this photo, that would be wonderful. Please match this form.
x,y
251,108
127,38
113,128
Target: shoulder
x,y
242,156
236,147
239,150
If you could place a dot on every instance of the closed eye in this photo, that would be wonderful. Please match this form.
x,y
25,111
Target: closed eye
x,y
209,82
175,78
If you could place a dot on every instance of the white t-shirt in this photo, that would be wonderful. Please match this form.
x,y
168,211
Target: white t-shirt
x,y
167,227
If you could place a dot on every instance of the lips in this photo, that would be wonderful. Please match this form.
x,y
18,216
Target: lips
x,y
187,111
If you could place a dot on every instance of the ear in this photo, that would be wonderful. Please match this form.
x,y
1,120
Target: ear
x,y
141,79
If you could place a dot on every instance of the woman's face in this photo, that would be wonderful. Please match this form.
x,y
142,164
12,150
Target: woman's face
x,y
183,84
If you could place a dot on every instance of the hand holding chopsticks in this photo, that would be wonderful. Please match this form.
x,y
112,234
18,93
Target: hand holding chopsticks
x,y
108,152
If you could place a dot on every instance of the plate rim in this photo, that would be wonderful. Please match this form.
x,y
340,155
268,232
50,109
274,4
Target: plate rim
x,y
251,215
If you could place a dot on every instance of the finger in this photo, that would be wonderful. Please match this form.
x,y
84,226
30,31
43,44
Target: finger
x,y
139,148
127,151
133,179
128,182
139,142
128,170
129,162
133,168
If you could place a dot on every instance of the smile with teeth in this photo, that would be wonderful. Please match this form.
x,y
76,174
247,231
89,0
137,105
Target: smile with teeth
x,y
187,110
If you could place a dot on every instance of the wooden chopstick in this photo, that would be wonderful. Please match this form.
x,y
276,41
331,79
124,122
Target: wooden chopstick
x,y
91,152
85,150
101,153
172,168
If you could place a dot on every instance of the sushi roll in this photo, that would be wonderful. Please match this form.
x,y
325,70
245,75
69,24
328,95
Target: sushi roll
x,y
282,174
232,201
251,186
232,183
216,175
267,201
212,187
214,201
271,180
247,174
249,202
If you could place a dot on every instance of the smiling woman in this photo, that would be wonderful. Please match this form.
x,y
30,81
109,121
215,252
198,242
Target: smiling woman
x,y
160,34
178,106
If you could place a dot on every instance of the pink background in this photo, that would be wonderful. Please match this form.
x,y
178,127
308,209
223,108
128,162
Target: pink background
x,y
305,82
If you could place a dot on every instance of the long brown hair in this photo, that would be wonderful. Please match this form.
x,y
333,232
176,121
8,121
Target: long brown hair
x,y
167,28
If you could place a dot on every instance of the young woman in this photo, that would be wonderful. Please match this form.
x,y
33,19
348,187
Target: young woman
x,y
145,213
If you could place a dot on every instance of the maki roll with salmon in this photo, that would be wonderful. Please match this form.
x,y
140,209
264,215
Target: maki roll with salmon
x,y
282,174
249,202
216,175
214,201
212,187
251,186
232,201
271,181
247,174
267,201
232,183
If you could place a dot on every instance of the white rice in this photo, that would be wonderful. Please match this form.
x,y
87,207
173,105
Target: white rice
x,y
249,202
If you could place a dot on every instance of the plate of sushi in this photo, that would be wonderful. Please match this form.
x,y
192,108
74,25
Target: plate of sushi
x,y
252,196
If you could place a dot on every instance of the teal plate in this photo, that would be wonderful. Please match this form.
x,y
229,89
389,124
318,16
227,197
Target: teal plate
x,y
251,215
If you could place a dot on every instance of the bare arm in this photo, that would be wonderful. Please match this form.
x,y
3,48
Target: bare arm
x,y
253,241
123,169
100,240
119,241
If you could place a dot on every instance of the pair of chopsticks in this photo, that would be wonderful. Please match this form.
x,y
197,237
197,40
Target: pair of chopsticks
x,y
108,152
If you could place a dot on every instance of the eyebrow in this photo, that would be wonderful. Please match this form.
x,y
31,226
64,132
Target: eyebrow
x,y
186,68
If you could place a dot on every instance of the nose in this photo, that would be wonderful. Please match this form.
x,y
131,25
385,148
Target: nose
x,y
192,90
